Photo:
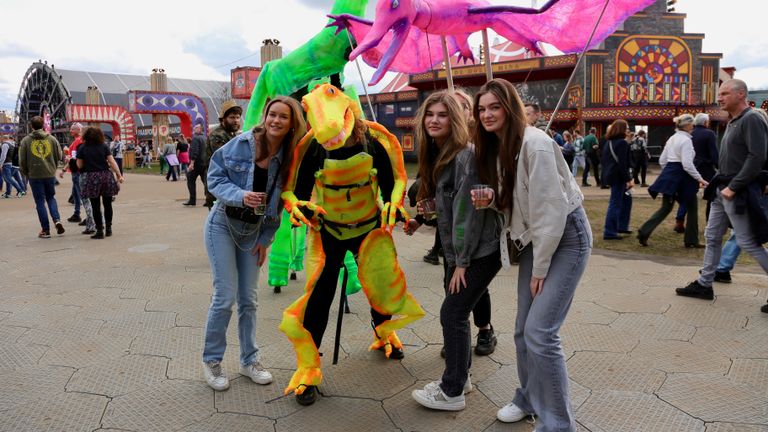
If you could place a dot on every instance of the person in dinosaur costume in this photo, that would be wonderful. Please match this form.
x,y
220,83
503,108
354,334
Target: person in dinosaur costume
x,y
356,169
323,55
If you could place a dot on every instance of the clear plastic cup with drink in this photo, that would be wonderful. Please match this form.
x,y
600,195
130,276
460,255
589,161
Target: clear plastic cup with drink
x,y
261,203
427,208
482,195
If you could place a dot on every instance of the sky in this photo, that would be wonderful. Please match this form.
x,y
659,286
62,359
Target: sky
x,y
204,40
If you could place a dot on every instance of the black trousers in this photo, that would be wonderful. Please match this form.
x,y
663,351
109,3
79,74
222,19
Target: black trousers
x,y
481,314
594,161
454,317
319,303
192,176
107,201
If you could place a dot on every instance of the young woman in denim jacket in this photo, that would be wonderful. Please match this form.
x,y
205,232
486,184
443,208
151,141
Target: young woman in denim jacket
x,y
540,203
237,239
469,238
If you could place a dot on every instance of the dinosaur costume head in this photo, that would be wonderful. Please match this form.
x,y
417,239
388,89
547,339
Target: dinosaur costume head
x,y
331,115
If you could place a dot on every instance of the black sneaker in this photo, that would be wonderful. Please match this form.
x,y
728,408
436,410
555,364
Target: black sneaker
x,y
82,222
432,257
308,397
694,289
486,342
764,308
723,277
442,352
59,228
44,234
74,218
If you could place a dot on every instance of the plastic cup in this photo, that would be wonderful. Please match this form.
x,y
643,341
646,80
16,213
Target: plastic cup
x,y
427,208
481,195
261,206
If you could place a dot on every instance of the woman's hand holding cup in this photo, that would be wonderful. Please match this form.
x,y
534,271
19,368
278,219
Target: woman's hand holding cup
x,y
482,196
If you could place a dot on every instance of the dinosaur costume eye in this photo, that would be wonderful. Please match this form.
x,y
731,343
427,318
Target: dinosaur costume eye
x,y
395,4
331,91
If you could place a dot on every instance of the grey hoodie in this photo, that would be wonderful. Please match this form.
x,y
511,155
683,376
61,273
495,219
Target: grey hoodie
x,y
39,155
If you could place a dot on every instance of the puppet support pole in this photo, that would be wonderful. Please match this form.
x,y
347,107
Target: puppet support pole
x,y
447,59
487,57
576,68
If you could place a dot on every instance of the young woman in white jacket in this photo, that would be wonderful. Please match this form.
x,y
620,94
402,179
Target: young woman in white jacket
x,y
540,204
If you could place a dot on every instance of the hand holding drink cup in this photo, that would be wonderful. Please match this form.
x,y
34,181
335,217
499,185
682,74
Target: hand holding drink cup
x,y
482,195
257,201
426,208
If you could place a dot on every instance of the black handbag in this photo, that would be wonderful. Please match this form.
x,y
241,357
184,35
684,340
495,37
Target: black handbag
x,y
247,214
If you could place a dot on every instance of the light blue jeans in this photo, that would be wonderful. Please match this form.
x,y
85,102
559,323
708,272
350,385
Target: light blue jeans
x,y
10,180
721,212
540,361
235,275
731,252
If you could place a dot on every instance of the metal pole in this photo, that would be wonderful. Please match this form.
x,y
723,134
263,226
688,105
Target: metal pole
x,y
342,302
487,56
576,68
447,59
362,80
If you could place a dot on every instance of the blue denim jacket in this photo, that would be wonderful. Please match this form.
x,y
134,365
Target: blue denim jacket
x,y
230,175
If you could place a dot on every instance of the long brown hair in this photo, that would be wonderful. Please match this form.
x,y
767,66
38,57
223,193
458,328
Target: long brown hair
x,y
432,160
490,150
617,130
296,132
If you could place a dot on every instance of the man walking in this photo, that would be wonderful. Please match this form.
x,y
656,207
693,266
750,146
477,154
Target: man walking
x,y
229,126
117,148
9,152
742,157
593,157
39,157
197,167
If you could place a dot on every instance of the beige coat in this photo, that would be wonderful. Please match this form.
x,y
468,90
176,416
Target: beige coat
x,y
545,194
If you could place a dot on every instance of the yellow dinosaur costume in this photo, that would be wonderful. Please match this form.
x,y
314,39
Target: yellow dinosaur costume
x,y
348,208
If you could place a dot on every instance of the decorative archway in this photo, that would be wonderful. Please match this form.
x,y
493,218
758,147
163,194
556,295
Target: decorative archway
x,y
653,69
42,93
190,109
8,128
120,119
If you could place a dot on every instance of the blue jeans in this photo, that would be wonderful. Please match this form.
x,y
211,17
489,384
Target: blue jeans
x,y
723,211
619,210
731,251
235,276
21,180
10,180
76,192
43,190
540,361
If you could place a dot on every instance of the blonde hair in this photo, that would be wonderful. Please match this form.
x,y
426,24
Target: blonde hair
x,y
683,120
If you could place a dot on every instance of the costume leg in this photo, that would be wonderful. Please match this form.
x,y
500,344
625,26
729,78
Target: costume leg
x,y
280,253
353,282
298,241
384,284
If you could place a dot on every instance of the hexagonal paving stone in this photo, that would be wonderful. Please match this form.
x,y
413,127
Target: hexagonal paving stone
x,y
678,356
505,352
246,397
339,414
85,351
583,312
752,372
66,412
733,427
732,343
10,335
653,326
112,308
364,378
633,303
407,414
226,422
169,343
704,315
35,382
614,371
614,411
500,386
16,355
166,406
136,324
189,366
596,337
427,364
712,397
119,376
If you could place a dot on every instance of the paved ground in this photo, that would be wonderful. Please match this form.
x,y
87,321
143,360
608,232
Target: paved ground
x,y
107,335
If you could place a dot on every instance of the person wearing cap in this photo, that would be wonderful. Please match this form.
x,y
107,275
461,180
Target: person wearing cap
x,y
679,181
229,125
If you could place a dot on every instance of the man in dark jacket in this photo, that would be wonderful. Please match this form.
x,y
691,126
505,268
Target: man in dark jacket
x,y
593,156
197,166
229,126
742,155
39,157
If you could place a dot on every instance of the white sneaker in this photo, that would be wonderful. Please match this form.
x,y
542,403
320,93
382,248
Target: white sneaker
x,y
257,373
432,396
215,376
467,385
510,413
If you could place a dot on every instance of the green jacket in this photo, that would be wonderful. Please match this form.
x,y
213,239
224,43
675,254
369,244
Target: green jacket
x,y
39,155
590,141
216,139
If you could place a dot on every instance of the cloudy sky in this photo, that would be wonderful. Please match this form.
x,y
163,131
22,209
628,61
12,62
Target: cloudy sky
x,y
204,39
